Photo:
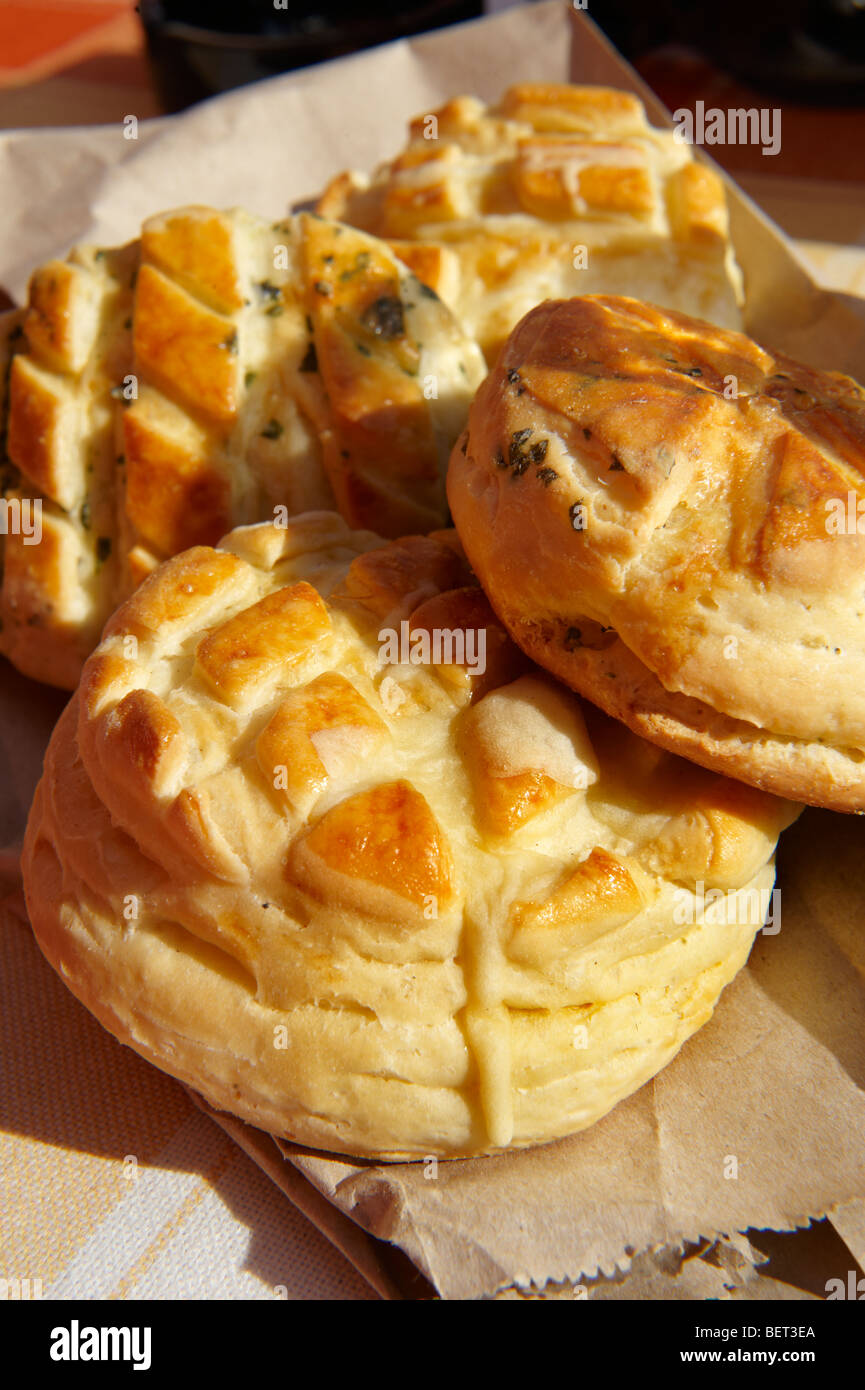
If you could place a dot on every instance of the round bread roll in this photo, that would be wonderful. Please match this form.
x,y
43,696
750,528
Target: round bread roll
x,y
556,190
660,512
390,909
217,369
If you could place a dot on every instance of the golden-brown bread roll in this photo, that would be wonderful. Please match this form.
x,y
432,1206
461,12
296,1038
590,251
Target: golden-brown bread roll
x,y
387,910
660,513
218,368
557,190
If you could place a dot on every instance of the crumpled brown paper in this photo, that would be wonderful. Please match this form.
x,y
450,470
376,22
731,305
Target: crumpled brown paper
x,y
760,1120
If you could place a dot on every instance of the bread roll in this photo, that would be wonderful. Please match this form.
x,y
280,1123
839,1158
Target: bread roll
x,y
557,190
667,517
199,378
391,910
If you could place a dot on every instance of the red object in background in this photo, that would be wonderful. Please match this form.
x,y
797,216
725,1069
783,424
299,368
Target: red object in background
x,y
72,62
35,32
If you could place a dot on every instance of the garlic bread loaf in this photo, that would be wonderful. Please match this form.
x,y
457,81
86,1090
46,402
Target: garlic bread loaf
x,y
215,370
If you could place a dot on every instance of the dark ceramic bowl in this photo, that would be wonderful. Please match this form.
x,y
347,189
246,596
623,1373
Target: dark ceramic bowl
x,y
197,50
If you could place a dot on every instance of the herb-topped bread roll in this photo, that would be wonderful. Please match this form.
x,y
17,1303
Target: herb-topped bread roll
x,y
555,191
387,910
668,518
217,369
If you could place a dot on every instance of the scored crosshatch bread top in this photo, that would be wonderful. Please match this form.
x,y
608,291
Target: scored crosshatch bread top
x,y
557,190
196,379
391,910
659,511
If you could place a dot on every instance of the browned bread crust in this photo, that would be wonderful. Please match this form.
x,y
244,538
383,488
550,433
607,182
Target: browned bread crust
x,y
652,504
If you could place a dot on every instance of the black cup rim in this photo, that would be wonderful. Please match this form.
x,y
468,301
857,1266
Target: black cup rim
x,y
181,32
